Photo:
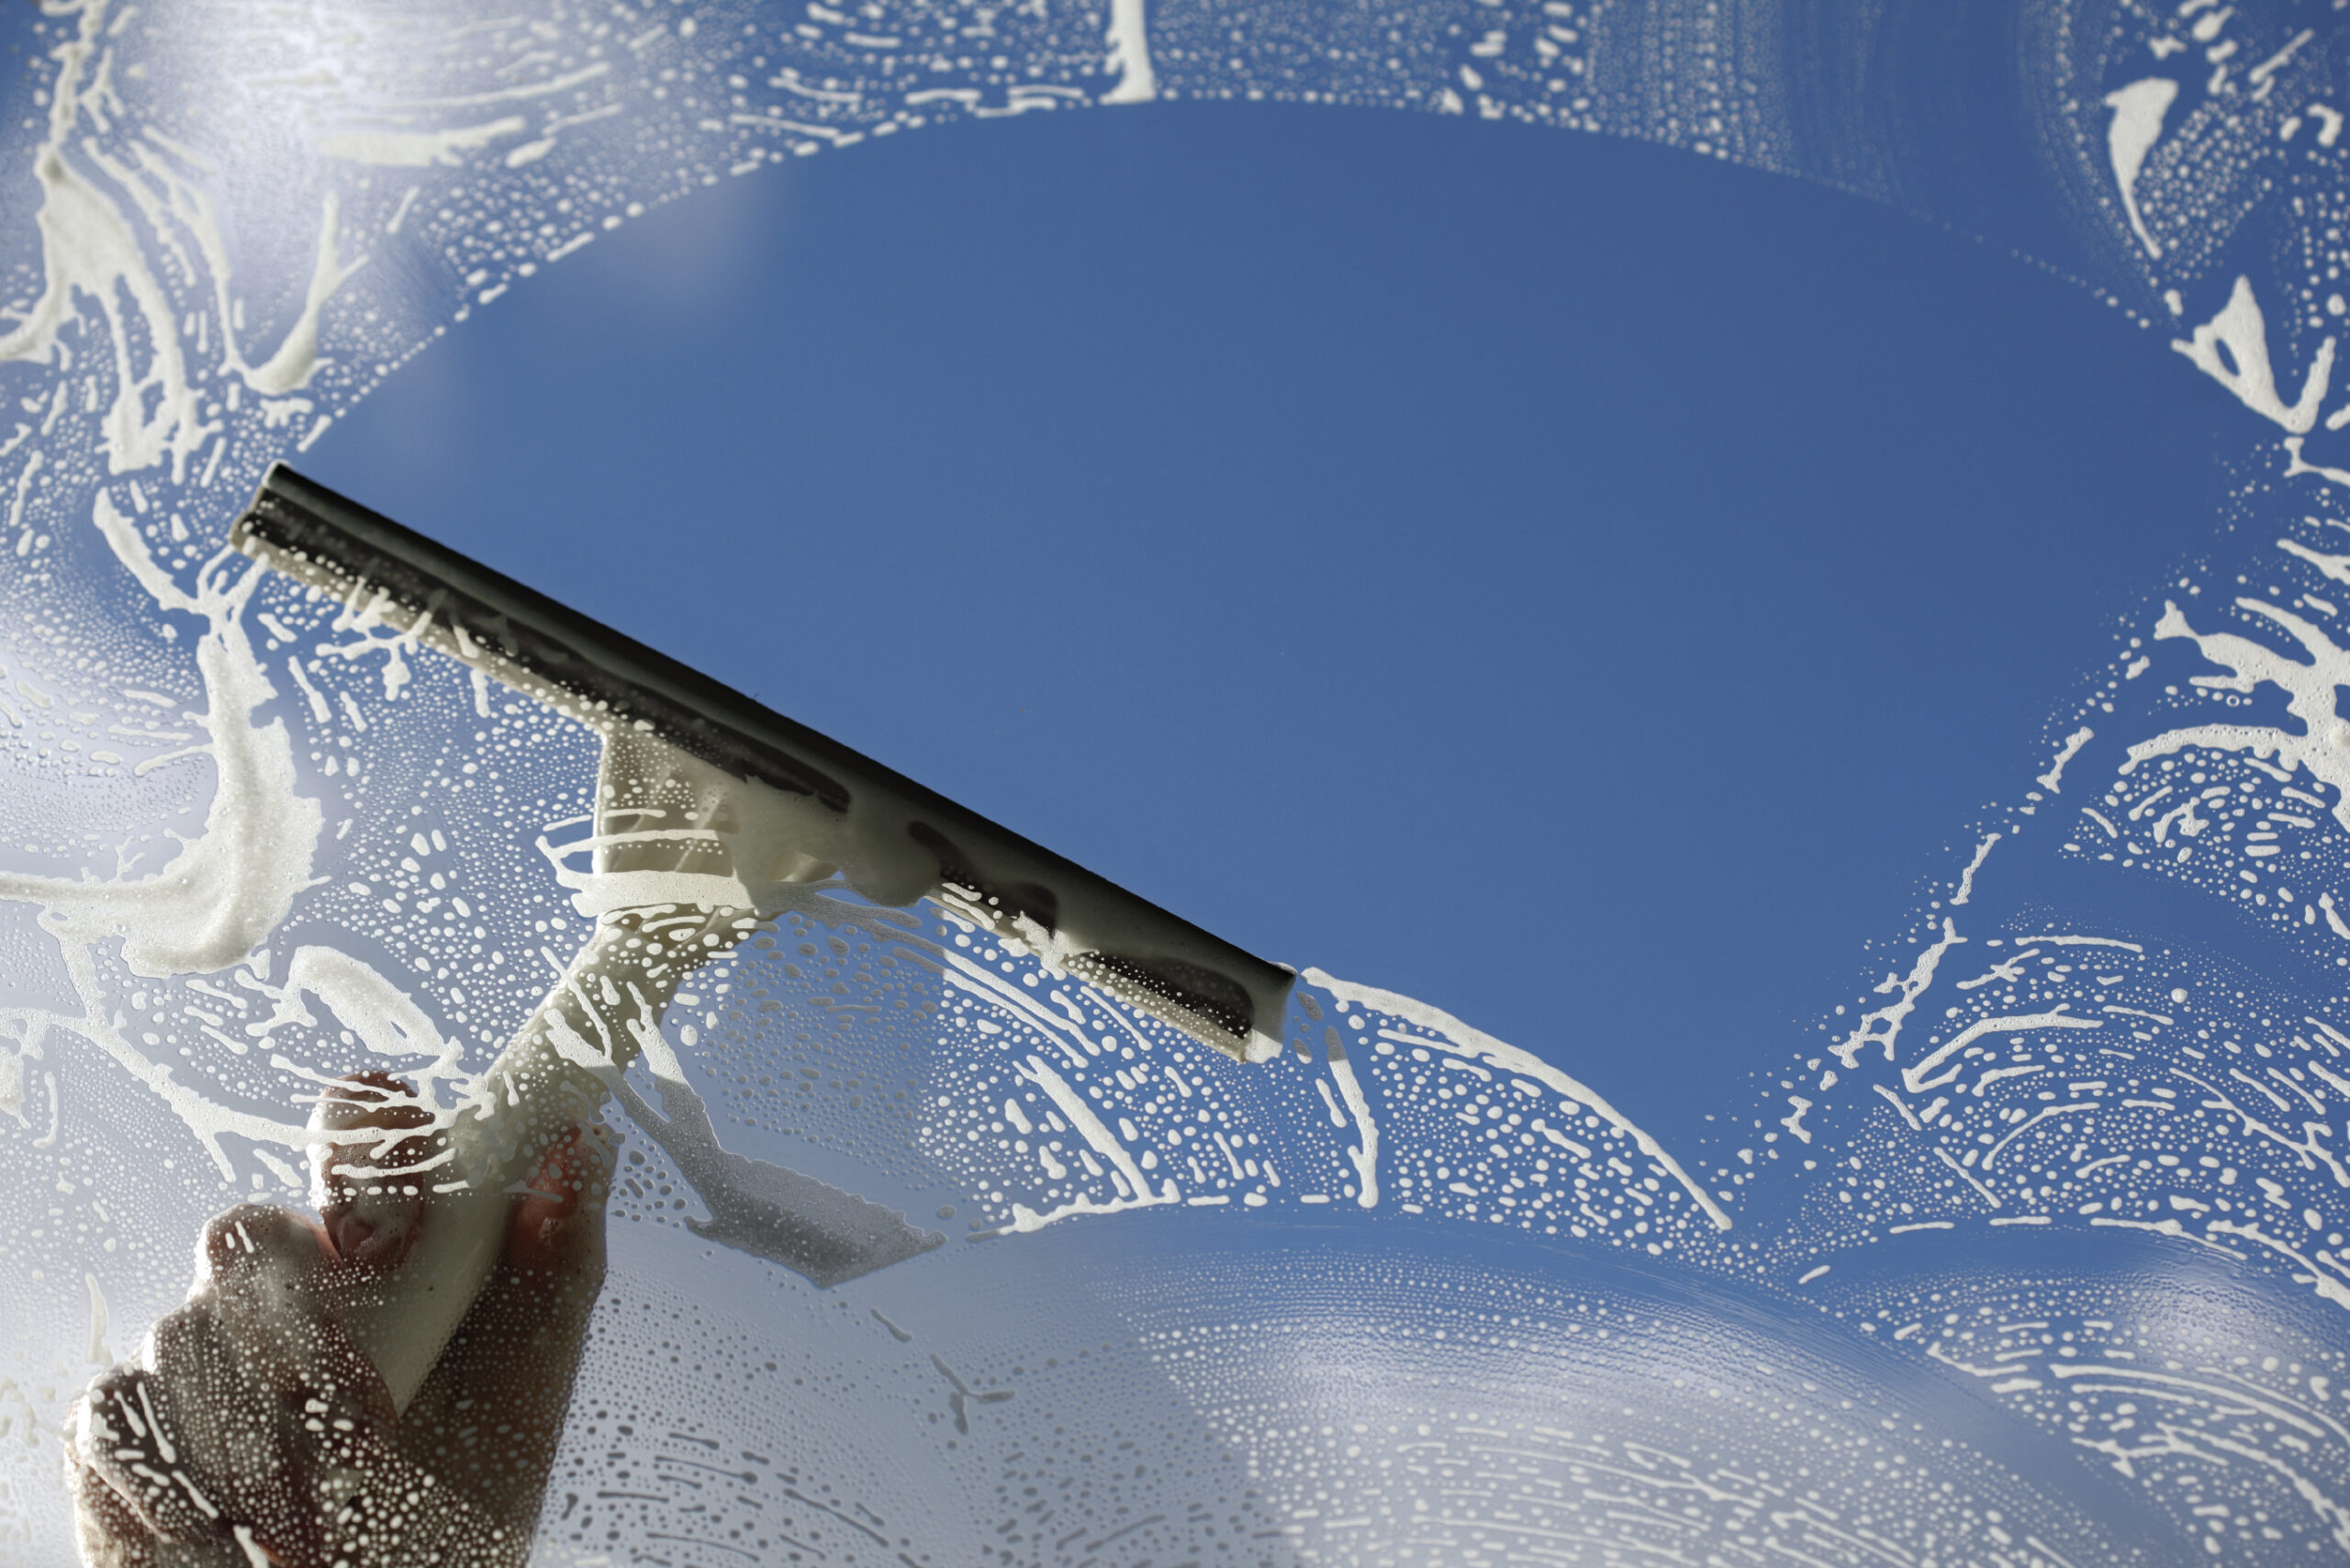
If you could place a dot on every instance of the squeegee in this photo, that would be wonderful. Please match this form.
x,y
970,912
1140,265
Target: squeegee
x,y
713,812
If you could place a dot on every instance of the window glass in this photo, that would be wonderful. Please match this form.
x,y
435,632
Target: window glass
x,y
1788,583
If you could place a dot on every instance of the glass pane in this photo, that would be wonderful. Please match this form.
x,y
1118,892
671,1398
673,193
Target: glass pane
x,y
478,1100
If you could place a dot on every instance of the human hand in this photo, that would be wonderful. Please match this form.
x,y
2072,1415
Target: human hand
x,y
253,1431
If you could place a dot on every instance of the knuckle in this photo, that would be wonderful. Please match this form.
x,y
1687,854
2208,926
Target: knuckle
x,y
176,1336
254,1237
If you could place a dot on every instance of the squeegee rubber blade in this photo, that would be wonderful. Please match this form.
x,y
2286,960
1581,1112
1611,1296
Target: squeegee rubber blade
x,y
607,679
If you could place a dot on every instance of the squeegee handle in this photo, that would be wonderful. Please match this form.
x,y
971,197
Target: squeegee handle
x,y
406,1325
533,1094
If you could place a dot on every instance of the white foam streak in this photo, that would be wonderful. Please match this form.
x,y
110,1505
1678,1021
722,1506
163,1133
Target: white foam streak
x,y
1882,1025
417,149
2232,348
89,247
1915,1078
1364,1154
386,1019
1088,1126
2138,111
1450,1035
1129,57
231,886
209,1122
2310,687
2053,780
1966,878
297,359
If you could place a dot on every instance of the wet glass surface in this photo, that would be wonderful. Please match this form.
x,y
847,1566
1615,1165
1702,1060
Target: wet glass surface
x,y
590,1157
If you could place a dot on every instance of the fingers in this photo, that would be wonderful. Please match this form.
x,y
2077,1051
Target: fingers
x,y
256,1426
255,1248
252,1412
371,1194
150,1490
268,1275
126,1434
109,1534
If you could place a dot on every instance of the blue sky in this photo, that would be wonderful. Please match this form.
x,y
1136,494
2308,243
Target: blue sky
x,y
1572,582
